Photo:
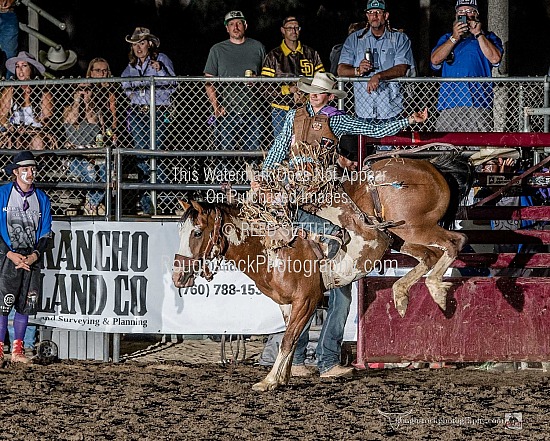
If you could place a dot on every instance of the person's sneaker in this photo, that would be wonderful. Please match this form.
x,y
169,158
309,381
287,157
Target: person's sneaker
x,y
17,353
502,367
300,370
441,365
338,371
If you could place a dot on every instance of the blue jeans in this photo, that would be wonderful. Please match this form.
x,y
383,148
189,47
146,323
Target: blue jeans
x,y
329,347
236,130
87,171
278,120
140,129
9,33
30,333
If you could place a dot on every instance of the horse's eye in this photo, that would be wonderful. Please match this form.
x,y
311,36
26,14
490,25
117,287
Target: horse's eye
x,y
197,233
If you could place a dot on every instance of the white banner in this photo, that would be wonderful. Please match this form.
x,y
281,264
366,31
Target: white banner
x,y
117,277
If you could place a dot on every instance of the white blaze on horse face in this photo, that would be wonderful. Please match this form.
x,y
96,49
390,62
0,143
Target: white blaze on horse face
x,y
186,230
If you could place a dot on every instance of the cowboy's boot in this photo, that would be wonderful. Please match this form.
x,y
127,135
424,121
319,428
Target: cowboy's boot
x,y
336,241
1,353
17,352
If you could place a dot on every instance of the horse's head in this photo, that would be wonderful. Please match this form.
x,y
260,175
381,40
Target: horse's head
x,y
201,241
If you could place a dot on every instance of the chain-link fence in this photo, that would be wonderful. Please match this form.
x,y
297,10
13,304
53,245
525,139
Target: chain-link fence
x,y
102,144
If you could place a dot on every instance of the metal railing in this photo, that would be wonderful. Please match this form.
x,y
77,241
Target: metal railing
x,y
178,148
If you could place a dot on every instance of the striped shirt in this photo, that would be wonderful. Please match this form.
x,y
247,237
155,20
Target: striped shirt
x,y
339,124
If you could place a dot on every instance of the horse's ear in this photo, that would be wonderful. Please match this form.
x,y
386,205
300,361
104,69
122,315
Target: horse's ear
x,y
184,205
197,206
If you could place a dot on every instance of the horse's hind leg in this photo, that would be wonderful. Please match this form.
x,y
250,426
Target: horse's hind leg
x,y
427,258
434,282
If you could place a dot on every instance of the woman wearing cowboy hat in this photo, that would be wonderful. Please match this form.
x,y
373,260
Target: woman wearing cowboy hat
x,y
25,228
25,110
147,61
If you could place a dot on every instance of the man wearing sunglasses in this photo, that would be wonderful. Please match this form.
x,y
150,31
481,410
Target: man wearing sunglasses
x,y
467,51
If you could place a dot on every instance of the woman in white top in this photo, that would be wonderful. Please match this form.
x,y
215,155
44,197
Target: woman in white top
x,y
26,110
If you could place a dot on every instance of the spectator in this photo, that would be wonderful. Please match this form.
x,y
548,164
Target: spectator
x,y
331,124
235,105
391,58
89,122
25,227
25,111
9,32
290,59
467,51
147,61
337,49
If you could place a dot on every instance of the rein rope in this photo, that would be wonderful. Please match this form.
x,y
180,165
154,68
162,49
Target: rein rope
x,y
213,250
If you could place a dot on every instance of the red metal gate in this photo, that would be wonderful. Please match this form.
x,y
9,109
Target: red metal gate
x,y
487,318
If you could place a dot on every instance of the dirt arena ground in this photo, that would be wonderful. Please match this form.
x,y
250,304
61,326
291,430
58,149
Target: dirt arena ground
x,y
181,392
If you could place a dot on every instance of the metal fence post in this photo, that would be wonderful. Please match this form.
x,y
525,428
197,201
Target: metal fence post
x,y
153,137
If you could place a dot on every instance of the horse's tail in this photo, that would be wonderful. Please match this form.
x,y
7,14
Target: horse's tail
x,y
459,174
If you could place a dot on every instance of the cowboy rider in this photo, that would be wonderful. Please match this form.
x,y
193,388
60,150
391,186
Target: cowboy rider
x,y
318,122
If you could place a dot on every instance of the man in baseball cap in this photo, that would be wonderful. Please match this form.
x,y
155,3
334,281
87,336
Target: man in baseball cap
x,y
376,4
233,15
470,3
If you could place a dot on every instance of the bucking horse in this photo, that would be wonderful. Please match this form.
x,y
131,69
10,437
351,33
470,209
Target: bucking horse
x,y
416,199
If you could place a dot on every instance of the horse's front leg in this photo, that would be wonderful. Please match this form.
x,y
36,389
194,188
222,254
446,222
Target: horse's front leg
x,y
280,372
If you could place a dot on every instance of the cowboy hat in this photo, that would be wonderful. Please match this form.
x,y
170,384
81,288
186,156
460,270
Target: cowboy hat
x,y
26,57
22,159
141,34
485,155
57,59
322,82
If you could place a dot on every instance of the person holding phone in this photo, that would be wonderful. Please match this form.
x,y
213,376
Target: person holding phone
x,y
467,51
390,56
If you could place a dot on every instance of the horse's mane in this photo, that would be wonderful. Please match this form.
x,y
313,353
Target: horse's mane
x,y
459,174
208,207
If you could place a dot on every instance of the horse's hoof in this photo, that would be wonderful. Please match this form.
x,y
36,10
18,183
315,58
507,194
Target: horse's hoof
x,y
402,309
264,386
438,291
441,301
401,302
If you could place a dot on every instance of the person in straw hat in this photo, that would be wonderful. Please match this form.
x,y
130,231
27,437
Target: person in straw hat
x,y
25,228
147,61
318,122
25,111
